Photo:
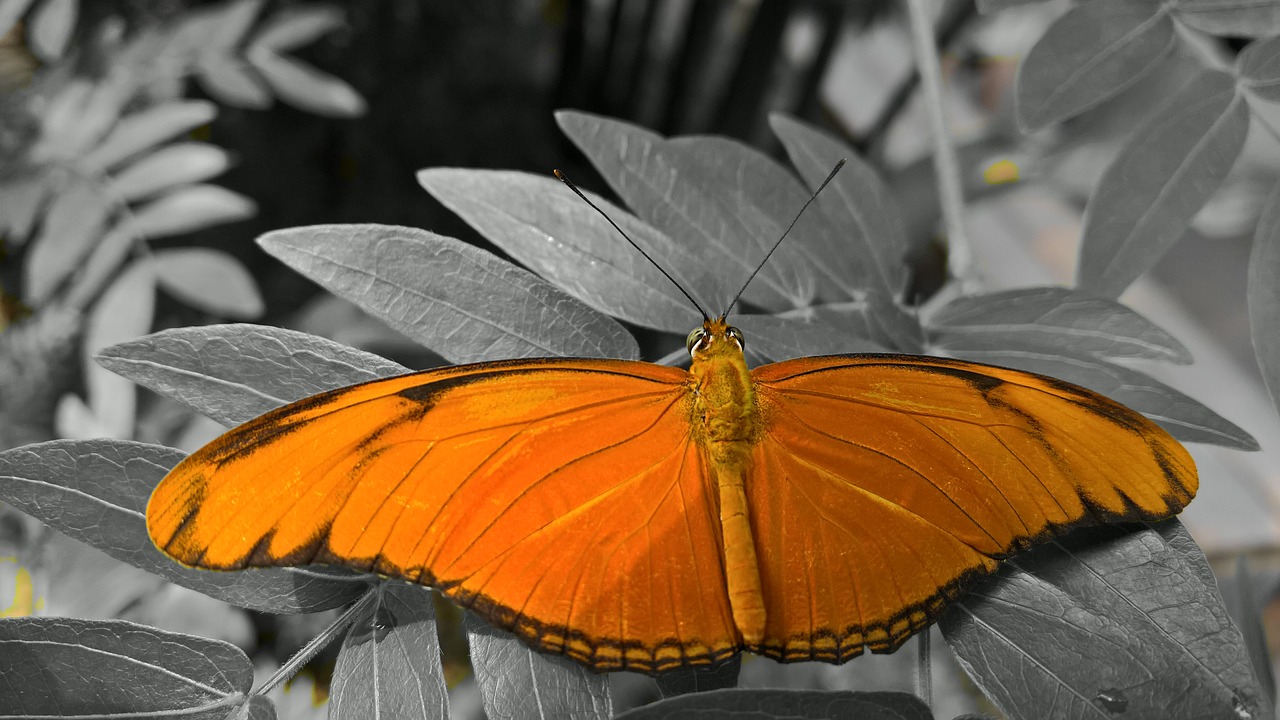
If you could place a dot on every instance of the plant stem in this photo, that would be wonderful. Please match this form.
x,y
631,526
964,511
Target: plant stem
x,y
924,670
318,643
954,19
959,254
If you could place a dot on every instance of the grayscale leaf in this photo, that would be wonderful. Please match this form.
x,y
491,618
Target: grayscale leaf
x,y
148,128
1244,602
125,311
779,704
782,337
306,87
1089,54
96,491
857,202
10,12
852,327
1264,295
685,680
22,200
168,167
219,29
255,707
121,669
1258,66
987,7
540,223
455,299
190,208
295,26
209,280
234,373
1239,18
230,80
1074,322
389,664
74,220
652,178
1166,171
764,198
109,253
1108,621
516,682
50,28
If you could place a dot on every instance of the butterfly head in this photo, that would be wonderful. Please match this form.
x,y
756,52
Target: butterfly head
x,y
715,337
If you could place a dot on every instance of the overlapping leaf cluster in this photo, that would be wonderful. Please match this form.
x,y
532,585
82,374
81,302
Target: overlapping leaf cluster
x,y
103,168
1178,155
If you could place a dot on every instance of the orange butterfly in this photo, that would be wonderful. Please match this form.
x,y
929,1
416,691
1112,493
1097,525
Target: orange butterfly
x,y
642,517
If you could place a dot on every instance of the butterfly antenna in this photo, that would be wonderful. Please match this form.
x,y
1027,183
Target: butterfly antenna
x,y
767,255
627,237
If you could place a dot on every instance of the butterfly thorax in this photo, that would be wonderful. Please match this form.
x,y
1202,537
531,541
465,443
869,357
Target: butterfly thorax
x,y
725,422
724,403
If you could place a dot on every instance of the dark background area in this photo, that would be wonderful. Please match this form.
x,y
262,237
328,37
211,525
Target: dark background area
x,y
476,85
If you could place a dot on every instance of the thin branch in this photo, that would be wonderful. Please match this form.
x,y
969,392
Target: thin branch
x,y
959,253
924,670
955,18
319,642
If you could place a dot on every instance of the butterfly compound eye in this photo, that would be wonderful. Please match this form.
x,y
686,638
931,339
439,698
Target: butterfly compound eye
x,y
694,340
735,335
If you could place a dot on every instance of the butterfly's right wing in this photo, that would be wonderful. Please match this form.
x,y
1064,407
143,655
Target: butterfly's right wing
x,y
906,478
561,499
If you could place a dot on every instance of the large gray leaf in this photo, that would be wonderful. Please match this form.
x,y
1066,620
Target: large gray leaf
x,y
1264,295
389,665
1074,322
516,682
1092,52
96,491
1242,18
764,198
857,202
539,222
657,182
777,704
776,337
991,6
1169,167
1180,415
69,668
1258,66
852,327
460,301
1116,621
234,373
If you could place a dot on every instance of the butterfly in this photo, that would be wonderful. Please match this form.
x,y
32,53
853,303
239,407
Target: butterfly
x,y
644,517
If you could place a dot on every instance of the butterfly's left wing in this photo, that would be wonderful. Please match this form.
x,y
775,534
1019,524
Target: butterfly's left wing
x,y
882,485
562,499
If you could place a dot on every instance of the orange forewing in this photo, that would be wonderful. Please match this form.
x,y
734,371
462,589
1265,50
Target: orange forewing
x,y
568,500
